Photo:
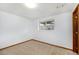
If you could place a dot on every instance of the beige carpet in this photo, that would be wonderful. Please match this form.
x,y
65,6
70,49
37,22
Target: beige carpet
x,y
35,48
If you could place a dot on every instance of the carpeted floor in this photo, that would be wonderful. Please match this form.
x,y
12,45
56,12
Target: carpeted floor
x,y
35,48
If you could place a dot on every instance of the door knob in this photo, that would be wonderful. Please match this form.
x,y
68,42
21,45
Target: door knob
x,y
76,32
76,17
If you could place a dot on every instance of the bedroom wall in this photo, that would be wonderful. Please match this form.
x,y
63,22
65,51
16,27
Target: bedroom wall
x,y
14,29
61,35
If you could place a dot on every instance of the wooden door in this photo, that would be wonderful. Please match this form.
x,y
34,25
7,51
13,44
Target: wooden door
x,y
75,30
78,28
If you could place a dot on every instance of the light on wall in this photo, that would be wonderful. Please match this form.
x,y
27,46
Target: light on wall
x,y
31,5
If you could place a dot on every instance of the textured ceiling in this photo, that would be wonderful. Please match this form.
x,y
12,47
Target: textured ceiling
x,y
43,9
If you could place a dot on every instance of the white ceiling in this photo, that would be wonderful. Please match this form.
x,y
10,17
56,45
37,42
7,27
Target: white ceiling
x,y
43,9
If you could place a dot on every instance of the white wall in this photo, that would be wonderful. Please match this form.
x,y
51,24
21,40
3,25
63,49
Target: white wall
x,y
61,35
14,29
